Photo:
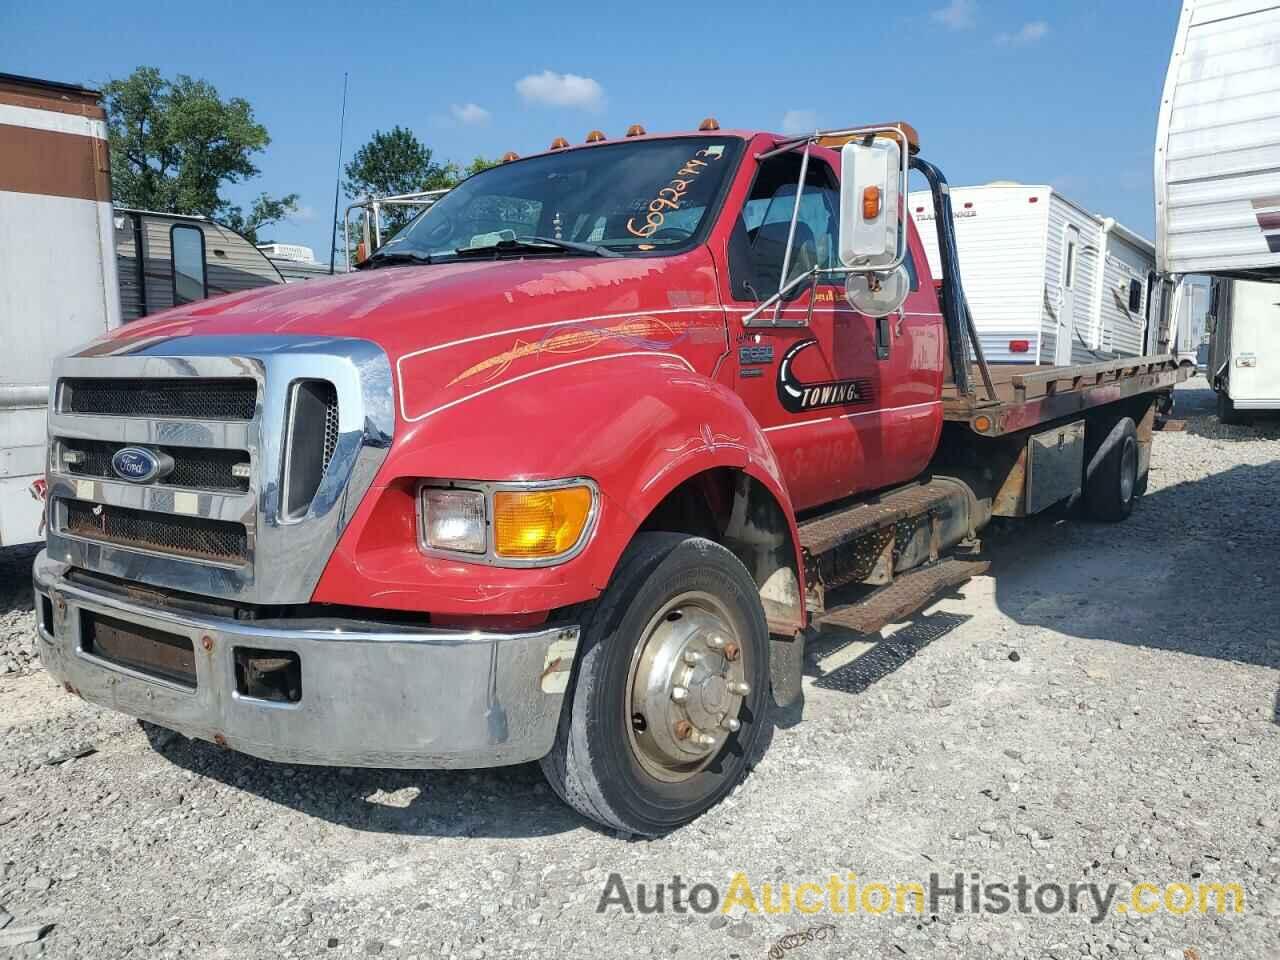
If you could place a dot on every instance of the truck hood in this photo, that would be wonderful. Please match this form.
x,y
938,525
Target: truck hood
x,y
404,309
462,326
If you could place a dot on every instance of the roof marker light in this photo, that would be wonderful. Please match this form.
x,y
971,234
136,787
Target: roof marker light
x,y
595,136
509,156
711,123
559,143
635,130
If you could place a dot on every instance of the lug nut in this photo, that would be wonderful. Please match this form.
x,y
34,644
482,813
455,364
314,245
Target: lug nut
x,y
206,642
732,724
716,642
731,651
679,694
683,729
706,740
739,689
692,657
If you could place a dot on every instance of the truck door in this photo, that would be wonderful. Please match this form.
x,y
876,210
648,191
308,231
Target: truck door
x,y
813,386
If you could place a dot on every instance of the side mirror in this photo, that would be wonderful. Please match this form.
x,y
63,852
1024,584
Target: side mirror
x,y
871,225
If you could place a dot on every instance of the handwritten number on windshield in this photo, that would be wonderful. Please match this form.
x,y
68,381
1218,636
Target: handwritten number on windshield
x,y
669,197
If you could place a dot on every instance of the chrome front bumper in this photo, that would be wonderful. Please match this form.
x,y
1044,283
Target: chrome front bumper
x,y
427,698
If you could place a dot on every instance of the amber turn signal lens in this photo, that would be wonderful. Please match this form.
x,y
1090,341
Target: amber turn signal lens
x,y
870,203
536,524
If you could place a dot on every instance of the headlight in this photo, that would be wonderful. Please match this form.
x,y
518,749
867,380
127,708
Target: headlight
x,y
508,524
454,520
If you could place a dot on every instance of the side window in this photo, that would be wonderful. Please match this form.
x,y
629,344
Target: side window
x,y
1069,271
1135,296
759,242
190,280
910,263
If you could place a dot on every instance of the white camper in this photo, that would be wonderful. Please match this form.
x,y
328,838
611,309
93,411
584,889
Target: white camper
x,y
57,269
1047,281
1244,348
1217,155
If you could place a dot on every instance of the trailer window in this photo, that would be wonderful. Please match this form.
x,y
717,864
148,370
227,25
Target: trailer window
x,y
190,278
1135,296
1069,271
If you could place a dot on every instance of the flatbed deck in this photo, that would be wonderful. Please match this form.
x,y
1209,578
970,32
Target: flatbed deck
x,y
1026,396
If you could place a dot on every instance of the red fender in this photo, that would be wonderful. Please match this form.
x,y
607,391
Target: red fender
x,y
639,426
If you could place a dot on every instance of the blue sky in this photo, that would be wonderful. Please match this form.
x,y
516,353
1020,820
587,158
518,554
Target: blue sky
x,y
1064,93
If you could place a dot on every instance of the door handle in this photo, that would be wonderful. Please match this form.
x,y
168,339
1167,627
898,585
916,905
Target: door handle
x,y
882,338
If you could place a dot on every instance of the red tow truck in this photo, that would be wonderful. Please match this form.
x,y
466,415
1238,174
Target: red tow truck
x,y
568,472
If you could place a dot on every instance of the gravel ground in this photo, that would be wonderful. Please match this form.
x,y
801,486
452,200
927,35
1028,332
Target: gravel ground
x,y
1104,708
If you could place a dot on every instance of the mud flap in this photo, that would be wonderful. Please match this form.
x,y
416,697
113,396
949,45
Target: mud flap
x,y
786,666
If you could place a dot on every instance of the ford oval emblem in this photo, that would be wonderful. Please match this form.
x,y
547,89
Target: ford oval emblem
x,y
136,464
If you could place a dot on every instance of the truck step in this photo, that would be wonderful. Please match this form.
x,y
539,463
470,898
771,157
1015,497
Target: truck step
x,y
831,530
904,596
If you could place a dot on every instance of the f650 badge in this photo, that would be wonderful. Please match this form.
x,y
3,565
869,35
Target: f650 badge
x,y
140,465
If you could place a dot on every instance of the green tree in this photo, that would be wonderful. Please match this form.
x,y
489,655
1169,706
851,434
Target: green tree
x,y
175,143
393,163
265,211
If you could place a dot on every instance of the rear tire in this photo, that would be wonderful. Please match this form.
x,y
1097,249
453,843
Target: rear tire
x,y
1111,472
1228,415
680,613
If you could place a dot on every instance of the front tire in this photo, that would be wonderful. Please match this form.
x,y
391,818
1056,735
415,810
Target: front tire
x,y
671,691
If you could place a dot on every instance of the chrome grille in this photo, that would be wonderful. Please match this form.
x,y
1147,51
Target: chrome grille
x,y
210,404
199,468
330,425
196,537
188,399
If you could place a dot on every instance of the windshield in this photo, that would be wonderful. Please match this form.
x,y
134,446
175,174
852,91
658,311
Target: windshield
x,y
650,195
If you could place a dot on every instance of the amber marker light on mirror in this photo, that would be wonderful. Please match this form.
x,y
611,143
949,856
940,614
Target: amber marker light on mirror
x,y
870,203
540,524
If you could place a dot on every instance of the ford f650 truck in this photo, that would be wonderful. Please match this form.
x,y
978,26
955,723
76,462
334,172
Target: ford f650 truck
x,y
568,472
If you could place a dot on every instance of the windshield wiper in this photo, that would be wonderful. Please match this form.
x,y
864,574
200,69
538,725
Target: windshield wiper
x,y
381,259
538,243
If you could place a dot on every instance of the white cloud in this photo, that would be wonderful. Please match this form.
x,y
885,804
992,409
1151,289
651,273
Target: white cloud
x,y
561,90
956,15
1029,33
472,114
800,121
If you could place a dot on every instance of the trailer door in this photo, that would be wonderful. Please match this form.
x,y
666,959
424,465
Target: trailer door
x,y
1254,378
1067,307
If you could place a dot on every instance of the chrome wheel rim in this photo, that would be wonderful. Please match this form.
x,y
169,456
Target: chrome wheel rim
x,y
1128,470
685,687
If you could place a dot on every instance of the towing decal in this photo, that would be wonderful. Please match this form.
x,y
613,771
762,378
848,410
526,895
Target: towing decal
x,y
797,396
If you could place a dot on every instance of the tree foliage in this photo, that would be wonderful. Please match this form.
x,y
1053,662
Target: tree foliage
x,y
265,210
176,143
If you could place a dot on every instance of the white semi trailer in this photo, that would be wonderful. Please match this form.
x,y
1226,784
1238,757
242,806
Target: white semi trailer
x,y
58,284
1217,176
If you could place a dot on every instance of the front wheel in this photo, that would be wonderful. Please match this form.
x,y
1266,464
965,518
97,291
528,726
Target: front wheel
x,y
671,691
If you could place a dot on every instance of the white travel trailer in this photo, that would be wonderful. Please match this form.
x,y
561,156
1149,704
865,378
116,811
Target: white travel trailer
x,y
1047,281
57,269
1217,176
1244,348
1217,155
